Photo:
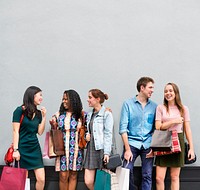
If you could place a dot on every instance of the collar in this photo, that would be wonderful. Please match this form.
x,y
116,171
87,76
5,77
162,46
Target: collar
x,y
136,100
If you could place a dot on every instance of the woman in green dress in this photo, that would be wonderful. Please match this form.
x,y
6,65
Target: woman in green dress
x,y
26,145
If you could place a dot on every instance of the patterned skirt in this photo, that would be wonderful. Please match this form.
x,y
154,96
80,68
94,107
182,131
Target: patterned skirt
x,y
93,158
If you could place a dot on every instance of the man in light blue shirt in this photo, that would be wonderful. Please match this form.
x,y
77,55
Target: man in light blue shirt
x,y
136,128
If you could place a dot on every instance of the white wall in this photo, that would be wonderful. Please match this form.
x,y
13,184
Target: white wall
x,y
105,44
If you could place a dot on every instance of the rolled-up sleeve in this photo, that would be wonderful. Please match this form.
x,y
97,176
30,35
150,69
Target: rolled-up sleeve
x,y
124,119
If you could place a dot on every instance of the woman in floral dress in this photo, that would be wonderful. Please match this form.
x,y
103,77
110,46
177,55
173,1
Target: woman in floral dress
x,y
70,119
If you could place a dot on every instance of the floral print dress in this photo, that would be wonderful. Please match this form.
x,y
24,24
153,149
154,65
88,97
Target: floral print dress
x,y
73,158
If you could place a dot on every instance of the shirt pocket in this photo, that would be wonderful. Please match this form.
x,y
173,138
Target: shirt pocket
x,y
150,118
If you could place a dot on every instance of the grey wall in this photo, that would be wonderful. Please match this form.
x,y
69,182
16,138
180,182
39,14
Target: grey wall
x,y
105,44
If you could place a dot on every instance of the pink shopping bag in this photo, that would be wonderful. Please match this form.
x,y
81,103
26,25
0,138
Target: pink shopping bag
x,y
13,178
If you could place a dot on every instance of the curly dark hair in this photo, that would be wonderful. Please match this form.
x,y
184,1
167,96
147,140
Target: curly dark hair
x,y
75,104
28,102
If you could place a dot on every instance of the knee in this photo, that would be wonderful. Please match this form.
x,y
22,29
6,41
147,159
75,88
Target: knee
x,y
41,180
159,180
147,175
63,178
174,178
89,181
73,176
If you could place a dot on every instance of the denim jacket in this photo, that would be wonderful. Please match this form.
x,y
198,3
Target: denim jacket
x,y
102,129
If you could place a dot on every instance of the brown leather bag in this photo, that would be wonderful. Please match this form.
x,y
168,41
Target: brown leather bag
x,y
82,143
58,142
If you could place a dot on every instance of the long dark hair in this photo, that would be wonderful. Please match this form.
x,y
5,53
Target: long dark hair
x,y
177,99
28,102
75,104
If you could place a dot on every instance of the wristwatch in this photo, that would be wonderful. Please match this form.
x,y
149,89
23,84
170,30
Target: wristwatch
x,y
15,149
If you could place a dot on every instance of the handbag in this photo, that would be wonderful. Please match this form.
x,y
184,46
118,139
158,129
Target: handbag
x,y
82,141
13,178
161,140
58,141
114,161
187,161
8,158
123,177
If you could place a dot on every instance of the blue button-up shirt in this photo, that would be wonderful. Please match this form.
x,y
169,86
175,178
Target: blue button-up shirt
x,y
138,122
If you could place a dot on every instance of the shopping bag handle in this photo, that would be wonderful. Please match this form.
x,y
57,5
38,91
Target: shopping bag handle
x,y
127,162
16,164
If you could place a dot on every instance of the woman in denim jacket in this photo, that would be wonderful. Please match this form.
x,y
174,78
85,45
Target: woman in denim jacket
x,y
99,136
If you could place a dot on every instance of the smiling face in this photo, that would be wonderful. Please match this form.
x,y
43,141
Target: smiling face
x,y
92,101
169,93
147,91
38,98
66,101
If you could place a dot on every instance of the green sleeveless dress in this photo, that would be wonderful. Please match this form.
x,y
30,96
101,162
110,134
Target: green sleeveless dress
x,y
29,147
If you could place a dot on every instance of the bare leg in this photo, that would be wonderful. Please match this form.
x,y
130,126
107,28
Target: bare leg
x,y
160,177
64,180
72,180
40,178
174,173
89,178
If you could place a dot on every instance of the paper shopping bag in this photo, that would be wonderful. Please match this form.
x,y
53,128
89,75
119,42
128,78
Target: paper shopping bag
x,y
13,178
27,185
48,147
123,177
113,180
102,180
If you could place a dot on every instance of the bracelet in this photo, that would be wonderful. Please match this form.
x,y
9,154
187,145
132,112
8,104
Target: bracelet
x,y
15,149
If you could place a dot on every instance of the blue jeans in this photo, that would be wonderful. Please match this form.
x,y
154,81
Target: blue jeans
x,y
147,168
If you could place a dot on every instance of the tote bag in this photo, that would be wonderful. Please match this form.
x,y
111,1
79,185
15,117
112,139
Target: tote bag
x,y
13,178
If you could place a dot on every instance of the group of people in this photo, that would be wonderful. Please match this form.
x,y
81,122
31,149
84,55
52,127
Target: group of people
x,y
70,118
139,117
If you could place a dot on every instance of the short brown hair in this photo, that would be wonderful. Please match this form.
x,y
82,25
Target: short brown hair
x,y
143,81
